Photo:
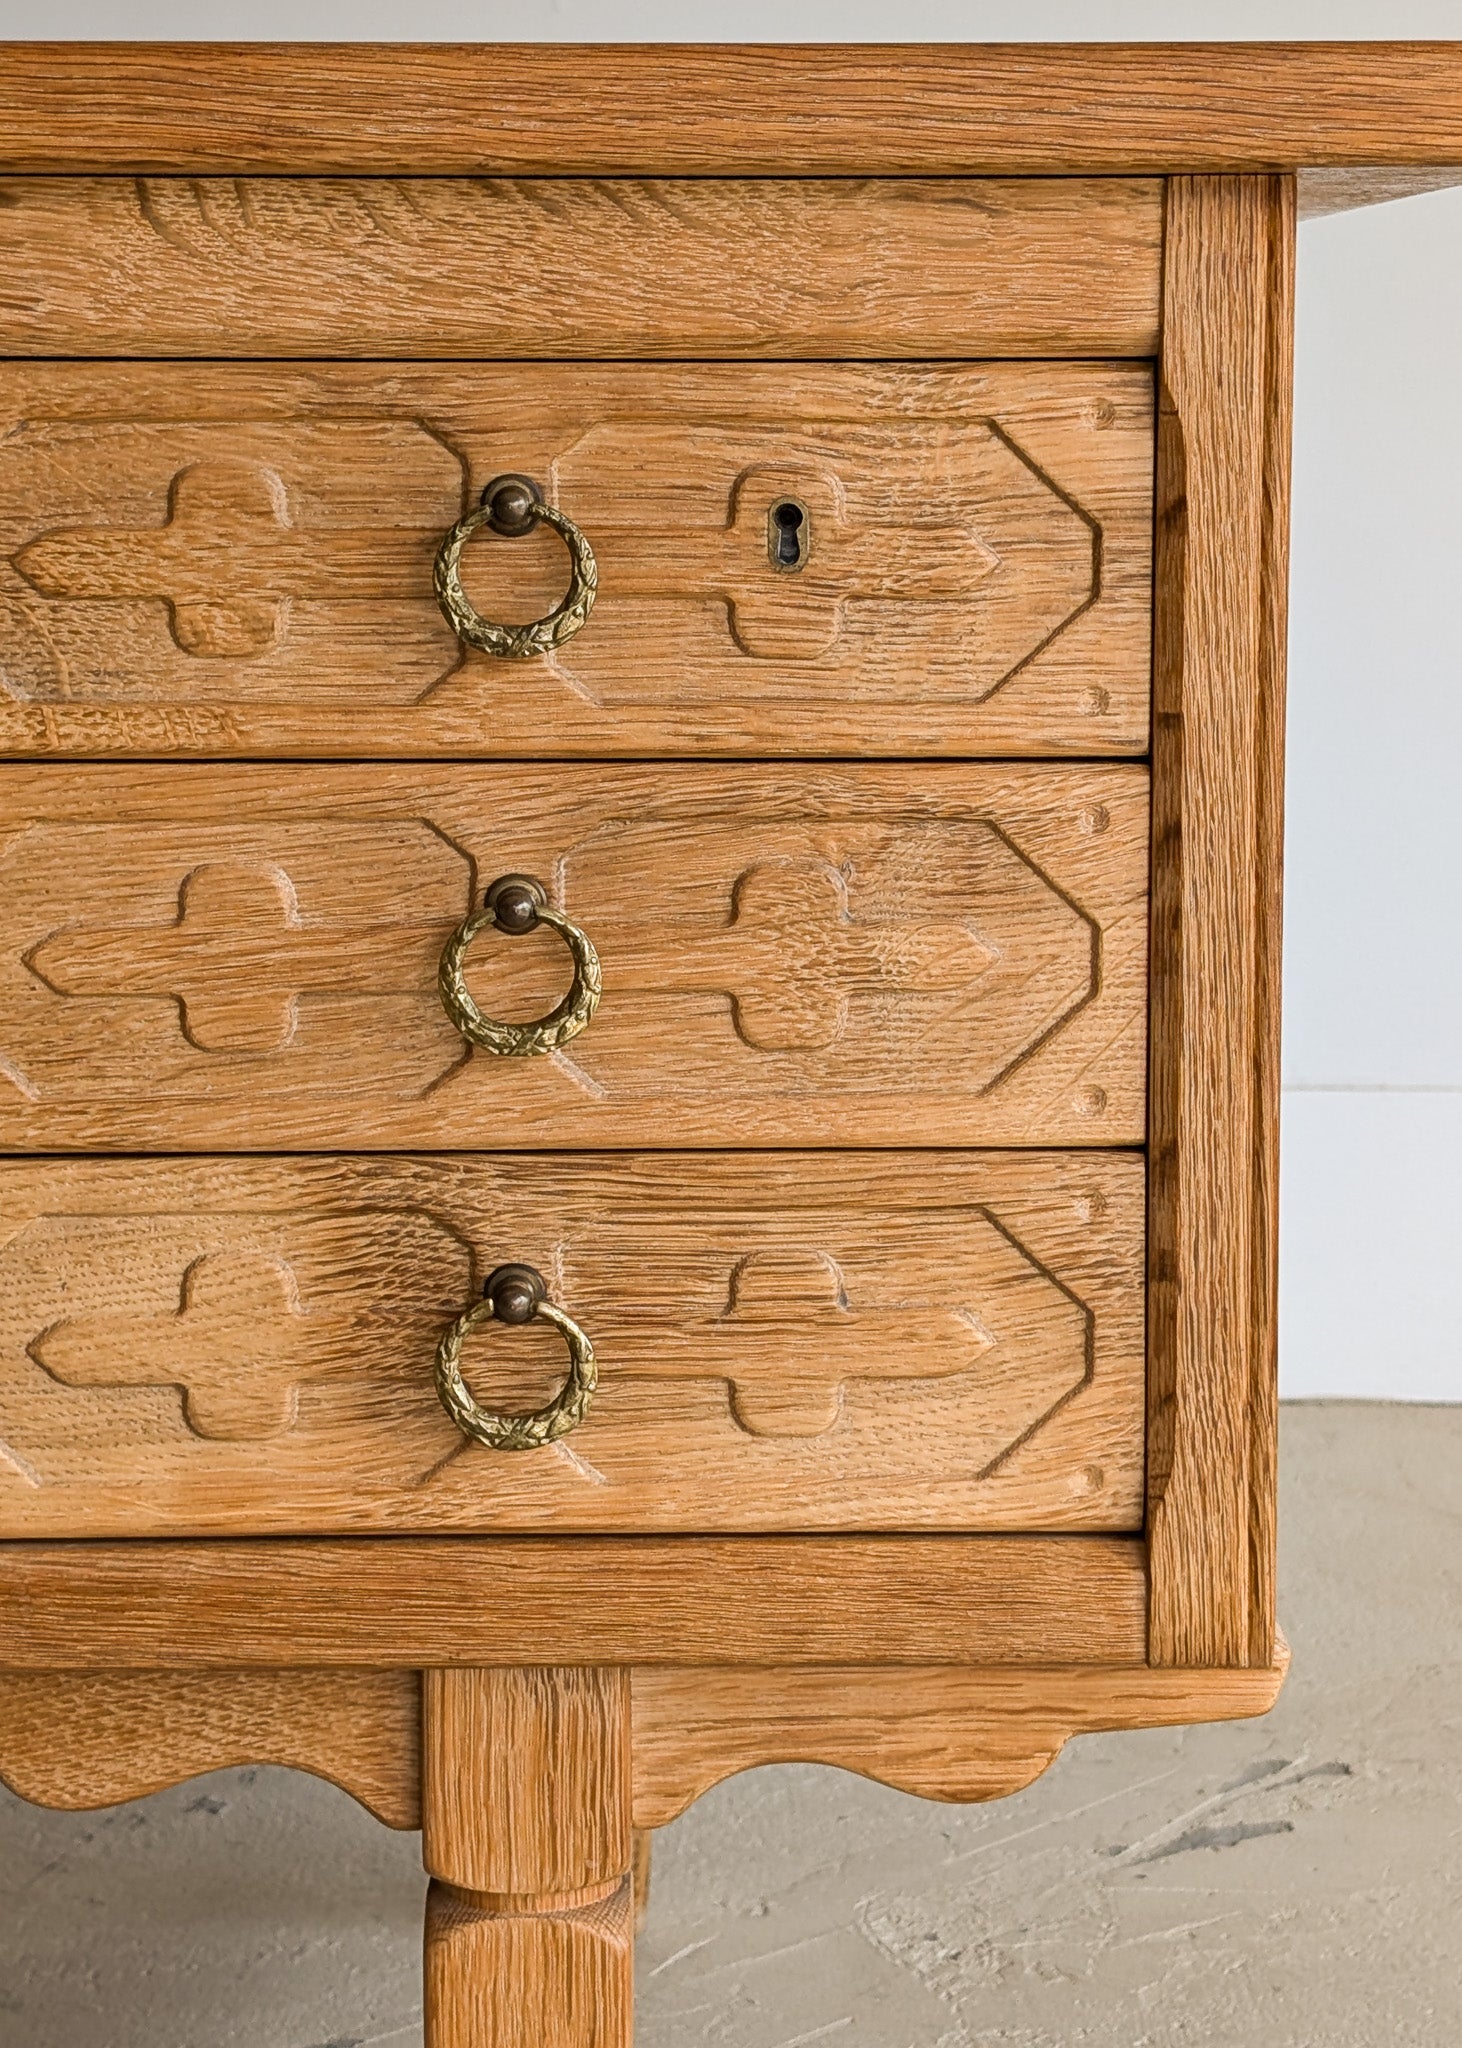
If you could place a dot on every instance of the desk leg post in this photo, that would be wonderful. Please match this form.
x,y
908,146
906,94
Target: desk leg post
x,y
526,1834
640,1872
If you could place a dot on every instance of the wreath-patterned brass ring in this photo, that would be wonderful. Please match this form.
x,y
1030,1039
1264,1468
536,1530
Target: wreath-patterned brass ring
x,y
517,903
511,506
516,1294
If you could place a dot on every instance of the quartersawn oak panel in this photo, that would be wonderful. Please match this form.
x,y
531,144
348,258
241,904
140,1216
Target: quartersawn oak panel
x,y
229,560
563,267
945,1732
1217,857
98,1738
237,959
785,1341
951,1733
414,1602
526,1783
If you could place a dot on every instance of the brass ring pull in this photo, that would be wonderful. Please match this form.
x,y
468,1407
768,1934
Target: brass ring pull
x,y
513,505
513,1295
517,903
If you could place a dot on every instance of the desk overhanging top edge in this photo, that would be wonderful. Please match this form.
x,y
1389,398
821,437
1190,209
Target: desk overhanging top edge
x,y
729,110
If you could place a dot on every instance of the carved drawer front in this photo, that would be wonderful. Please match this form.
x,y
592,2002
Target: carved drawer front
x,y
782,1341
891,559
244,959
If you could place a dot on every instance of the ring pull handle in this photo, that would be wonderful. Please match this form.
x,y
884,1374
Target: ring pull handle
x,y
512,506
515,1295
514,904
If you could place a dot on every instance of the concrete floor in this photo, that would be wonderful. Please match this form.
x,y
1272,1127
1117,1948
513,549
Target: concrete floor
x,y
1286,1883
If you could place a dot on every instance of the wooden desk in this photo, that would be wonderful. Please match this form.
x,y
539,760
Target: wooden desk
x,y
793,1279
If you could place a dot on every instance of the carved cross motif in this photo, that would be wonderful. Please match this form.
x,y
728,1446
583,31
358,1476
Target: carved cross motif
x,y
794,956
222,561
335,514
793,1306
920,946
238,1345
924,517
801,956
889,557
236,959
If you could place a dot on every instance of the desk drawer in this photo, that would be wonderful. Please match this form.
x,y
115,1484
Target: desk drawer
x,y
786,1341
248,959
229,560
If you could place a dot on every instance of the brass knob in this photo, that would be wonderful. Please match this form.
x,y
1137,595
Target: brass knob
x,y
512,506
516,1295
514,904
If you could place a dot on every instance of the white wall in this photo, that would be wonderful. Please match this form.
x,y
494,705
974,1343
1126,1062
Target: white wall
x,y
1372,1250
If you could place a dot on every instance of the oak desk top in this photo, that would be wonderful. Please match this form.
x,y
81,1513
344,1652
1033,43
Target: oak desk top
x,y
601,110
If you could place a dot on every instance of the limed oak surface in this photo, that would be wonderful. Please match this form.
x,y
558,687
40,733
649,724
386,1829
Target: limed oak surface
x,y
245,959
526,1782
98,1738
955,1732
526,1833
1223,478
231,560
566,267
783,1341
556,1979
385,1602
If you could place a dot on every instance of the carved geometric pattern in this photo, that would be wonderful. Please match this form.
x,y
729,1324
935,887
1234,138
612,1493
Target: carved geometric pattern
x,y
777,955
939,543
860,553
805,1320
220,961
794,958
802,959
153,1351
238,1346
223,517
233,943
791,1340
271,546
237,958
865,945
231,550
287,562
801,1342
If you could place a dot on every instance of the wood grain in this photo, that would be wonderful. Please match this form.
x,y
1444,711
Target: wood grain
x,y
423,1602
768,110
239,959
214,1347
227,559
941,1732
1340,190
98,1738
529,1980
641,1860
526,1783
1223,467
564,267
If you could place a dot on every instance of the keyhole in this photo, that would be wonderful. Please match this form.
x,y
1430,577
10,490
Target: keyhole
x,y
788,534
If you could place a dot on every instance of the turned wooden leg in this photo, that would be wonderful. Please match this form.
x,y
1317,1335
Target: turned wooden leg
x,y
640,1872
526,1833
